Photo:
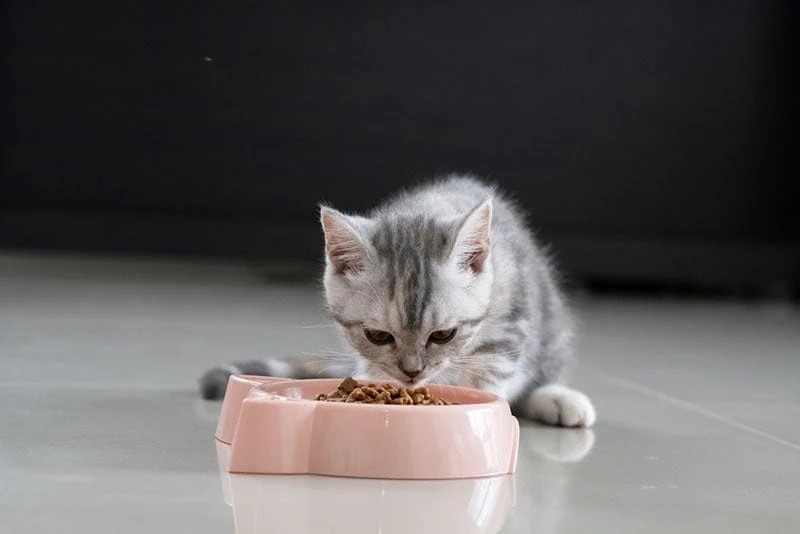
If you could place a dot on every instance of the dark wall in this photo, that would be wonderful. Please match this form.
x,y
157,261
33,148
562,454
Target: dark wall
x,y
649,140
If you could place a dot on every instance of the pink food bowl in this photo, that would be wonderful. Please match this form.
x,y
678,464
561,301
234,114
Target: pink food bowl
x,y
274,426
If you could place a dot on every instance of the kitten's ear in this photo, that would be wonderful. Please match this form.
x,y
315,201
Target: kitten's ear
x,y
474,237
344,248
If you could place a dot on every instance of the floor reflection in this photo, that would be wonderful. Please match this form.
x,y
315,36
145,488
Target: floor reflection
x,y
558,445
295,504
547,463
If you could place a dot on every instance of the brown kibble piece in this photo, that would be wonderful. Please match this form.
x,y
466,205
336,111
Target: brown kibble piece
x,y
356,395
348,384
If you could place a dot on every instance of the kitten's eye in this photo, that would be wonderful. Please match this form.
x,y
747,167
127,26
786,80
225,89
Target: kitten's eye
x,y
442,336
379,337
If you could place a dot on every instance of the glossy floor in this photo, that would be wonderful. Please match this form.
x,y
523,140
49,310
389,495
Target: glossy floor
x,y
101,428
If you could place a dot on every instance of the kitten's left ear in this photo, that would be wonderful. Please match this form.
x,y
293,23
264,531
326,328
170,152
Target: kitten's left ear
x,y
474,238
344,248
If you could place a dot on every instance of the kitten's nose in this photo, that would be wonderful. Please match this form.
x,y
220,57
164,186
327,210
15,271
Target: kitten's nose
x,y
411,374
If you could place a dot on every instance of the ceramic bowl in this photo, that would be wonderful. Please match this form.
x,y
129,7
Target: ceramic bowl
x,y
274,425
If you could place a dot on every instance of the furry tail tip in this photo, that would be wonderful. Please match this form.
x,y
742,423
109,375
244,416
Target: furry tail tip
x,y
214,382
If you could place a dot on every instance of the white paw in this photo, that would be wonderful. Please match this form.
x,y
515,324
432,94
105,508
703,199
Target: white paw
x,y
555,404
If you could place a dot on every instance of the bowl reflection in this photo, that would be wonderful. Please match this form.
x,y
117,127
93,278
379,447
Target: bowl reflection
x,y
294,504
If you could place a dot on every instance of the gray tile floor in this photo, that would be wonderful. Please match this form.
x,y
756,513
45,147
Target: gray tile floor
x,y
101,428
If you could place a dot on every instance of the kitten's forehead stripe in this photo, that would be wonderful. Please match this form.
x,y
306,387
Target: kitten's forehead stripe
x,y
409,247
384,243
416,289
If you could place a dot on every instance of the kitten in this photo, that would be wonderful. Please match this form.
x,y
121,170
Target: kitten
x,y
445,283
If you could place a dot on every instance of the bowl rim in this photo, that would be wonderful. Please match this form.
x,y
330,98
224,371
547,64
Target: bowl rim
x,y
263,389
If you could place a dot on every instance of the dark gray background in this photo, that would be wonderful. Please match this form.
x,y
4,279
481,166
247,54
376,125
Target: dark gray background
x,y
651,142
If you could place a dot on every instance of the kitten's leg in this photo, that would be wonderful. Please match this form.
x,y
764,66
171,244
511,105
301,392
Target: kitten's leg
x,y
214,382
558,405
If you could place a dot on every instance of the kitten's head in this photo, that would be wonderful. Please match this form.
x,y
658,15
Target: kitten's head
x,y
408,291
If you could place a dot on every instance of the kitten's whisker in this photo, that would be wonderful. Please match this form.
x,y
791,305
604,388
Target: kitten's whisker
x,y
448,376
327,368
485,357
326,354
327,350
327,358
471,371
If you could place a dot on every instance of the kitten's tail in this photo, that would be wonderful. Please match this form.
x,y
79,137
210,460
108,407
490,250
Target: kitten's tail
x,y
214,382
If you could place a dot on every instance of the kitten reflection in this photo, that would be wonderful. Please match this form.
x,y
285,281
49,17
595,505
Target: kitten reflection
x,y
556,444
544,471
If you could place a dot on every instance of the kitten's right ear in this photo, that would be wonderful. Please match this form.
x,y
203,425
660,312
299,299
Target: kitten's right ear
x,y
344,248
472,246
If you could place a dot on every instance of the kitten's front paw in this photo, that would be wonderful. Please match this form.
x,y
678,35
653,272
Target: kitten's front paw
x,y
559,405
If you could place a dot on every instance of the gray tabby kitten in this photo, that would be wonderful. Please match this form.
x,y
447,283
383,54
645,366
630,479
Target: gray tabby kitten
x,y
445,283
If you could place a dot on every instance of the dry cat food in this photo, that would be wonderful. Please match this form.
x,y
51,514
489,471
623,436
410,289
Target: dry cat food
x,y
351,391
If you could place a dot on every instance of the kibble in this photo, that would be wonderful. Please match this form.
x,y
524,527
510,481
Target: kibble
x,y
351,391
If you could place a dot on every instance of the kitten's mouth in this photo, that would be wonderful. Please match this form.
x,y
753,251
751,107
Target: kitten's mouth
x,y
417,381
401,378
